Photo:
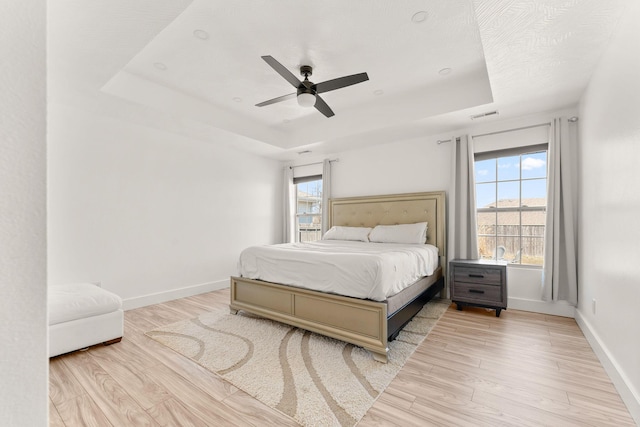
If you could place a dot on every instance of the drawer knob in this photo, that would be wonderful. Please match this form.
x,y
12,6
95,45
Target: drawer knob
x,y
479,276
476,291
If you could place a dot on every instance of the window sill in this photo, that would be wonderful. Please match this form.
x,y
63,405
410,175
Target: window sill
x,y
525,266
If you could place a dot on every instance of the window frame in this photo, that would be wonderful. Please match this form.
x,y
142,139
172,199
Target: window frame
x,y
496,155
298,215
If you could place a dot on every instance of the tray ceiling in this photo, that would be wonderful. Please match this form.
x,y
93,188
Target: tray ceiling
x,y
194,67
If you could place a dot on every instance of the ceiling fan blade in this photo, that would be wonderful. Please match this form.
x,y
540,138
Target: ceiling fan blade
x,y
280,69
278,99
323,107
340,82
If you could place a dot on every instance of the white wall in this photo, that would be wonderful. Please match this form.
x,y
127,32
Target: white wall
x,y
23,309
609,270
152,215
398,167
421,164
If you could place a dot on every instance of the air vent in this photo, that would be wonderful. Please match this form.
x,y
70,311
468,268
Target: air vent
x,y
487,114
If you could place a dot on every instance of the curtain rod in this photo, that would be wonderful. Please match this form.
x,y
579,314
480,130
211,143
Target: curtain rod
x,y
442,141
314,163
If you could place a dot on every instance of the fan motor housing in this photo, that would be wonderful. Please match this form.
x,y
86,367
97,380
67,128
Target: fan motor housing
x,y
303,89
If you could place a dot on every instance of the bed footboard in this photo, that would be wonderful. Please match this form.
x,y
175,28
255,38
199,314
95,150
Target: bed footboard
x,y
359,322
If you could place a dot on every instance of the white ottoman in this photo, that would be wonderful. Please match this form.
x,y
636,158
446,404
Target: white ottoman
x,y
82,315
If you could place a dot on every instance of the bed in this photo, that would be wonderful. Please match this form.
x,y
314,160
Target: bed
x,y
367,323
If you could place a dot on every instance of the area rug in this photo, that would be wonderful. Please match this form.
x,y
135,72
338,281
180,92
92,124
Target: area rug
x,y
317,381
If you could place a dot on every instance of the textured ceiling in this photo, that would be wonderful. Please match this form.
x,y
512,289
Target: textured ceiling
x,y
150,63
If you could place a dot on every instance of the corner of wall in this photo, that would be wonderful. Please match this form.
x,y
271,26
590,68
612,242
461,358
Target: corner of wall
x,y
630,396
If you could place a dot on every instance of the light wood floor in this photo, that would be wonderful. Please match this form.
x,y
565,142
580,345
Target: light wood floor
x,y
521,369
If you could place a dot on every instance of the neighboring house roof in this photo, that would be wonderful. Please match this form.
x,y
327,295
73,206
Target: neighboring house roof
x,y
505,203
513,218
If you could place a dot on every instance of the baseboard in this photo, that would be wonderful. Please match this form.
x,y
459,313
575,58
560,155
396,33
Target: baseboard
x,y
629,395
557,308
160,297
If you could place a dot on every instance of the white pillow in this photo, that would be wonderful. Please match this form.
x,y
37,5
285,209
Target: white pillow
x,y
402,233
347,233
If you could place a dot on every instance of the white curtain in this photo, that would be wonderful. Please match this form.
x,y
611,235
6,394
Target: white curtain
x,y
289,208
463,232
560,278
326,194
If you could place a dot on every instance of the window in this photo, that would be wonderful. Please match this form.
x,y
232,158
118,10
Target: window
x,y
511,201
308,208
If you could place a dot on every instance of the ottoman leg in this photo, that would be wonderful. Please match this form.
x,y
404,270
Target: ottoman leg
x,y
113,341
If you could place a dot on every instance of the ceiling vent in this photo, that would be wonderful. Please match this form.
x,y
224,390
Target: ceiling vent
x,y
487,114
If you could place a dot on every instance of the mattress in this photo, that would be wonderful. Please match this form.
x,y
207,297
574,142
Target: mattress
x,y
365,270
408,294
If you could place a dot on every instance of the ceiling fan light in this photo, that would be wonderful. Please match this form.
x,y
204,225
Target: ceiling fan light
x,y
306,100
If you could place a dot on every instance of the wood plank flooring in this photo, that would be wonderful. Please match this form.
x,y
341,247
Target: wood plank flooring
x,y
521,369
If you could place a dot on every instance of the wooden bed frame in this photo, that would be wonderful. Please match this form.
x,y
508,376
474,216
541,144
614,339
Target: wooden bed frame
x,y
361,322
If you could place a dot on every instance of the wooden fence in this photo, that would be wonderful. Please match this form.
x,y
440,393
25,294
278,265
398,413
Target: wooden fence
x,y
529,248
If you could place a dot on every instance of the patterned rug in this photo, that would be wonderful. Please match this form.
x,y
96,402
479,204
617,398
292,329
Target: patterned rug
x,y
317,381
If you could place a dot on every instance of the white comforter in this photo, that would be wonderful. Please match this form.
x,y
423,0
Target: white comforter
x,y
357,269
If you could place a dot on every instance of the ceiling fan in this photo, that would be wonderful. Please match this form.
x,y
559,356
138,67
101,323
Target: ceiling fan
x,y
308,92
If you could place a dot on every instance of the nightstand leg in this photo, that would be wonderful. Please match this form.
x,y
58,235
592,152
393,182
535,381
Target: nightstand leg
x,y
498,310
459,306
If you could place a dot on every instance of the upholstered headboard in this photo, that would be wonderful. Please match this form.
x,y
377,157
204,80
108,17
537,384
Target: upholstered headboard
x,y
395,209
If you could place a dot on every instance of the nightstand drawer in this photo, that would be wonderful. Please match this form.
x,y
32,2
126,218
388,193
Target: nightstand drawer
x,y
477,293
475,274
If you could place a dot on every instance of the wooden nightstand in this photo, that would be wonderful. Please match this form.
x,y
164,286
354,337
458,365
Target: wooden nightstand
x,y
480,283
